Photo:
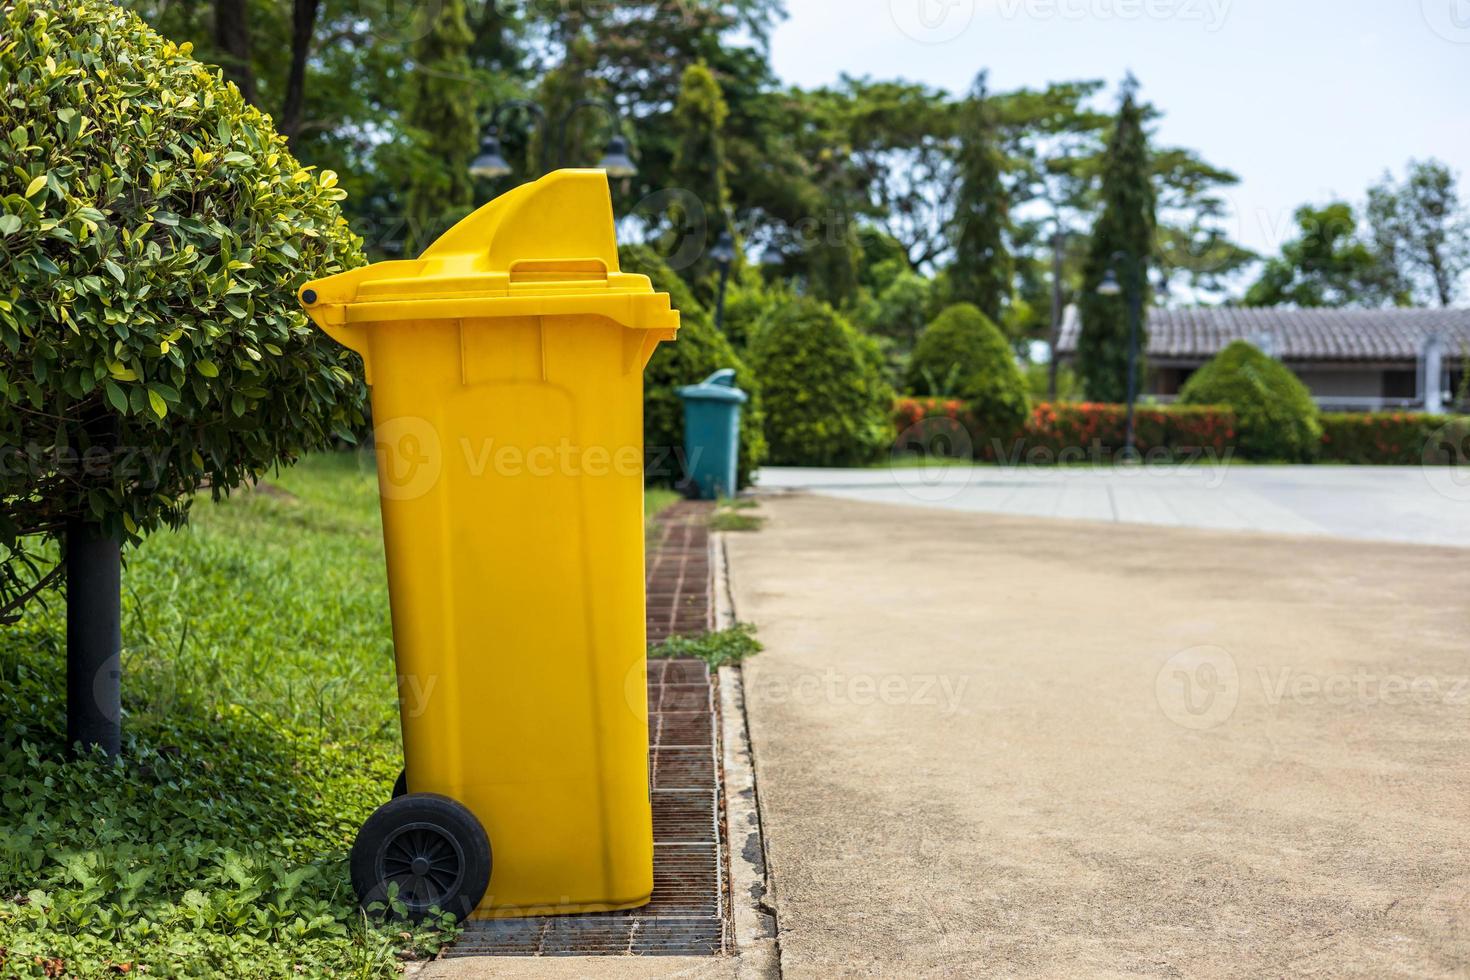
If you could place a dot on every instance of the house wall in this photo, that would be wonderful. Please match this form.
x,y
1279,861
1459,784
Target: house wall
x,y
1342,388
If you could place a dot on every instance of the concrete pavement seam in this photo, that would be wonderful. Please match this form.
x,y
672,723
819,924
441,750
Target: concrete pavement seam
x,y
753,916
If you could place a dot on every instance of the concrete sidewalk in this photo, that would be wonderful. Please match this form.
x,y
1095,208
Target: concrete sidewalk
x,y
1419,505
995,745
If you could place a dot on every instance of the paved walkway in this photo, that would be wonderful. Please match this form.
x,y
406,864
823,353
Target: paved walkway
x,y
1425,506
1000,746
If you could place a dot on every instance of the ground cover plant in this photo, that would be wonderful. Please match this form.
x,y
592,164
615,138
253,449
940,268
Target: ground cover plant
x,y
261,729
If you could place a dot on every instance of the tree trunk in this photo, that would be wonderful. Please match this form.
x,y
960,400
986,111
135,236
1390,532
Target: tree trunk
x,y
303,25
93,638
232,36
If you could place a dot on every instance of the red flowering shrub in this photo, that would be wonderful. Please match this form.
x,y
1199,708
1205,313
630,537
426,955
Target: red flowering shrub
x,y
1080,431
1394,438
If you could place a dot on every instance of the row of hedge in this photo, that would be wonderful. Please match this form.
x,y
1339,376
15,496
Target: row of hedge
x,y
1065,432
1090,432
1395,438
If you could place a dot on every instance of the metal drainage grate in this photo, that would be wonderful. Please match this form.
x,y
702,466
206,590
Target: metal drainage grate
x,y
687,914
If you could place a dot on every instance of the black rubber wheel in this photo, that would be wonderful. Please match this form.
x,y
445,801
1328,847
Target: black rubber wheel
x,y
400,785
431,847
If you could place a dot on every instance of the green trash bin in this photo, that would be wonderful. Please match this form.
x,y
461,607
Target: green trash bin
x,y
712,433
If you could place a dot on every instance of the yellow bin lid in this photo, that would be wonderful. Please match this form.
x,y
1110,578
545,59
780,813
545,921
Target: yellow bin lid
x,y
546,248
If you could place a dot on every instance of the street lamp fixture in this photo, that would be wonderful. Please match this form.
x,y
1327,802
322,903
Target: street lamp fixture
x,y
615,159
490,163
723,254
1109,285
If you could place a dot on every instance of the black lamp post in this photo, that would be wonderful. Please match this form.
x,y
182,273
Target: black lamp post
x,y
1111,287
491,163
723,254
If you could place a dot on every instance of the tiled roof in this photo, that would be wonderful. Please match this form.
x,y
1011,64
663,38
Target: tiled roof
x,y
1295,335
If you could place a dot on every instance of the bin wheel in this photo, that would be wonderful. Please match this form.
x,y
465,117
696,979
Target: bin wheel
x,y
428,845
400,785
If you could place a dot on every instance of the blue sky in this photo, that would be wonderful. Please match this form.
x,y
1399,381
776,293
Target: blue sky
x,y
1305,99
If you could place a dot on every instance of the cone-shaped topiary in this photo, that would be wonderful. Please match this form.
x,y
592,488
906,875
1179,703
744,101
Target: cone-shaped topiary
x,y
963,354
1276,416
698,352
154,231
826,396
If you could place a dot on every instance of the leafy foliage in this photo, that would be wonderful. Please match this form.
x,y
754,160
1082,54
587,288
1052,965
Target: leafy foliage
x,y
718,649
982,272
1394,438
700,166
1327,264
441,116
1074,432
826,395
1124,228
962,353
262,728
153,231
1277,418
1421,230
698,352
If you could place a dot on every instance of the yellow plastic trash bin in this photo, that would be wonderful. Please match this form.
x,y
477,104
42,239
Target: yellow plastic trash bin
x,y
507,392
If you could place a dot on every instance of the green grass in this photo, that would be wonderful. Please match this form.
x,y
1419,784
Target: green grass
x,y
722,647
656,499
730,515
261,728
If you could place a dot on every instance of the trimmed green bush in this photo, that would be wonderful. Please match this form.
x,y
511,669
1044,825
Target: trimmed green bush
x,y
1276,415
962,354
154,231
698,352
827,401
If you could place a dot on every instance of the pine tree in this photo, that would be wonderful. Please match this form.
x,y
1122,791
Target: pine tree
x,y
441,115
982,269
700,169
1126,226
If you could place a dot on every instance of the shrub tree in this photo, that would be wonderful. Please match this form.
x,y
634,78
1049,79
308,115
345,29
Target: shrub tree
x,y
965,354
1276,415
154,232
827,400
699,352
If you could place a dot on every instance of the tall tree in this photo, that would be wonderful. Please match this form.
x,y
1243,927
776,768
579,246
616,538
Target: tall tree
x,y
232,42
699,167
1422,230
1193,243
1326,264
982,268
1122,241
441,115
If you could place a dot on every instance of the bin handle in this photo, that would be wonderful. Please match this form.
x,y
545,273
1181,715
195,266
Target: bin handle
x,y
541,271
